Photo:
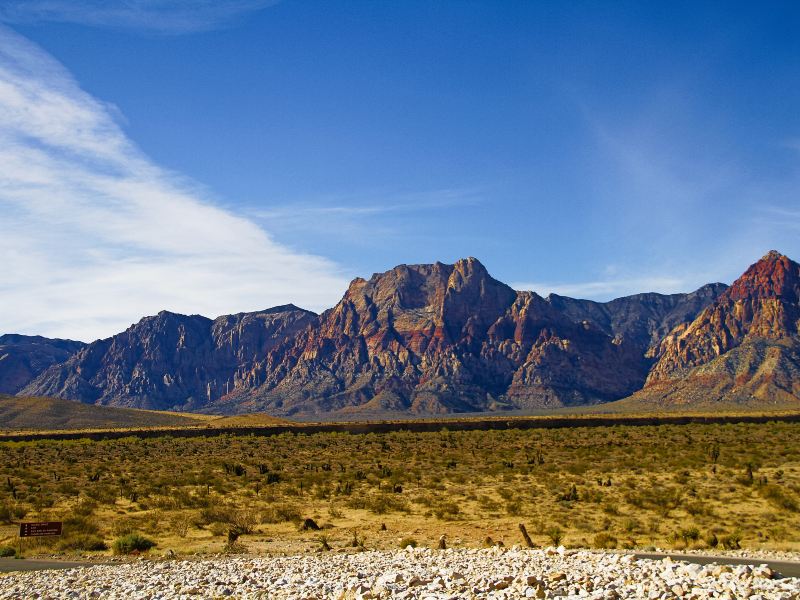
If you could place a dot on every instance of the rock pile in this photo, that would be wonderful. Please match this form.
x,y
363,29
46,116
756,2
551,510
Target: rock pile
x,y
411,573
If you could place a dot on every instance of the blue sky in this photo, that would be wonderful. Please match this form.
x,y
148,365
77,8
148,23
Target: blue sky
x,y
248,153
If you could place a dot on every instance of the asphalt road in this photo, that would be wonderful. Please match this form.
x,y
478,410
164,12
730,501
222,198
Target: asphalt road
x,y
12,564
781,567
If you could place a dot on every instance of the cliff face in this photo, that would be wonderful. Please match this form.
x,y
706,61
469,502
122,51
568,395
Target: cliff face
x,y
642,318
419,338
443,338
744,348
168,361
762,303
23,357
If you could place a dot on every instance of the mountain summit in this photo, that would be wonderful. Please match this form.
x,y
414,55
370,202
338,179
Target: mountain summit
x,y
743,348
429,338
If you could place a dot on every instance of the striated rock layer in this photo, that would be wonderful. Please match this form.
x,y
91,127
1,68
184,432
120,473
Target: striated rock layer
x,y
170,361
744,348
23,357
430,338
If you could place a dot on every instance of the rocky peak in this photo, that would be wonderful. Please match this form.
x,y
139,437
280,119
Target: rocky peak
x,y
774,276
761,304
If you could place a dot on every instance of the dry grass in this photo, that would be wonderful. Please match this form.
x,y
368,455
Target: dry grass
x,y
37,415
670,486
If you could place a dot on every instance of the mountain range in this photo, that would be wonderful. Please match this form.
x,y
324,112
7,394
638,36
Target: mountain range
x,y
439,338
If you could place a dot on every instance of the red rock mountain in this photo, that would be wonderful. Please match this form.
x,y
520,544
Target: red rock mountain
x,y
743,348
442,338
419,338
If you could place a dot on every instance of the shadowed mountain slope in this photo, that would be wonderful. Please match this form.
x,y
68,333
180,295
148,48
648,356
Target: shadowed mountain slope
x,y
23,357
431,338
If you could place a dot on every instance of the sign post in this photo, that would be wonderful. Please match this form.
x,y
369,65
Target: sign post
x,y
41,529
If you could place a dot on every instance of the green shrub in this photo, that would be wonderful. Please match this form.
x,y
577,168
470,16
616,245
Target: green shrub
x,y
555,534
133,542
779,497
78,525
604,540
408,541
732,542
84,542
281,513
689,534
6,551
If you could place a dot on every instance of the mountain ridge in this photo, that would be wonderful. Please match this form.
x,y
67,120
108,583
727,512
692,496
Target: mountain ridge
x,y
439,338
423,339
742,349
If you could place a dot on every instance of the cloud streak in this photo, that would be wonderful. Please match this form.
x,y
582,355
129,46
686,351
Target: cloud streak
x,y
96,235
162,16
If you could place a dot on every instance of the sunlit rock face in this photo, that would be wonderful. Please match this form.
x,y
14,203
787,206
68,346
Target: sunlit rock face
x,y
432,338
743,348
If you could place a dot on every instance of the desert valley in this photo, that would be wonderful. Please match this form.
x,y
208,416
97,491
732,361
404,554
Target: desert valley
x,y
426,300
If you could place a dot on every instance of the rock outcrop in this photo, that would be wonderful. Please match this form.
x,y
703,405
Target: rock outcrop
x,y
170,361
744,348
23,357
431,338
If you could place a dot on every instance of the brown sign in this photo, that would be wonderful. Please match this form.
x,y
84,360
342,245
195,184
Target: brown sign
x,y
40,529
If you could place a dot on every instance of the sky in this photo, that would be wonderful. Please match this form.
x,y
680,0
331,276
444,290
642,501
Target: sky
x,y
213,156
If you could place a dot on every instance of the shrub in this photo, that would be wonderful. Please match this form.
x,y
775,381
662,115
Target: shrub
x,y
79,525
447,511
605,540
244,521
732,541
408,541
86,542
133,542
379,503
689,534
779,498
9,512
555,535
180,524
6,551
281,513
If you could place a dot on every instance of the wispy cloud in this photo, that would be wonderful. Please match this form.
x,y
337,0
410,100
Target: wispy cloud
x,y
163,16
95,235
352,217
694,199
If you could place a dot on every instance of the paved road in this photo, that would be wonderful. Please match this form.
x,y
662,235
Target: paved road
x,y
11,564
782,567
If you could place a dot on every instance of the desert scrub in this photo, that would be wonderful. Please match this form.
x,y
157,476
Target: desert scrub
x,y
131,543
604,540
627,480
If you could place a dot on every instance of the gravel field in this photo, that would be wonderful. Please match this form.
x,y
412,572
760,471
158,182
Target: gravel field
x,y
410,573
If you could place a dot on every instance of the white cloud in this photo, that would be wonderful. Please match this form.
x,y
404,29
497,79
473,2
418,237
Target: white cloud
x,y
358,219
95,235
163,16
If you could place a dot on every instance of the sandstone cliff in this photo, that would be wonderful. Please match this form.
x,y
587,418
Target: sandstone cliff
x,y
744,348
430,338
